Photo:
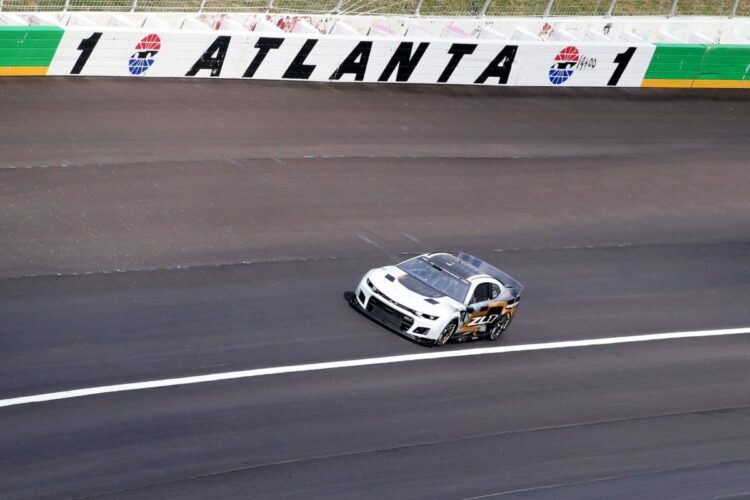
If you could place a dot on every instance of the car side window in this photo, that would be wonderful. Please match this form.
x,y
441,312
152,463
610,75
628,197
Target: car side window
x,y
481,293
495,291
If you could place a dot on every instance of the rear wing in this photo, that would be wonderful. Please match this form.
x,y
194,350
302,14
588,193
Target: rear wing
x,y
507,281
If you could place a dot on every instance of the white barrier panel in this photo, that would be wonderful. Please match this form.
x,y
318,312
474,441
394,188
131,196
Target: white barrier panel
x,y
287,56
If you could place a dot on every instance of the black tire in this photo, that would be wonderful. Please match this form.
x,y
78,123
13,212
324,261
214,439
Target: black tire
x,y
499,327
447,332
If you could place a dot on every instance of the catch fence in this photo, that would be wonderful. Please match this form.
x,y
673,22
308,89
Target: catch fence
x,y
453,8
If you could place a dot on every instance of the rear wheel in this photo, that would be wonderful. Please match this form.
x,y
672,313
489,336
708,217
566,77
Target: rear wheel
x,y
499,327
447,332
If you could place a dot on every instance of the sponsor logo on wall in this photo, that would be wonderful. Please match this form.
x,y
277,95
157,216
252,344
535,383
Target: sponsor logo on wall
x,y
568,61
145,52
562,69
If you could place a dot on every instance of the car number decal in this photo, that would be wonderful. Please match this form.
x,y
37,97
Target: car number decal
x,y
482,320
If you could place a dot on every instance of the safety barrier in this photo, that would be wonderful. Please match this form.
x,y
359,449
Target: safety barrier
x,y
700,66
271,50
28,50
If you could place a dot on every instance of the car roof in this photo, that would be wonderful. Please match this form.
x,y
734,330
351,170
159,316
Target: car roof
x,y
451,263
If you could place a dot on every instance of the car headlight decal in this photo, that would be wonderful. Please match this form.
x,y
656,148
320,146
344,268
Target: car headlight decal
x,y
417,313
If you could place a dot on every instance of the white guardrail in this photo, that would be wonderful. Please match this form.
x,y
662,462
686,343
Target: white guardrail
x,y
592,52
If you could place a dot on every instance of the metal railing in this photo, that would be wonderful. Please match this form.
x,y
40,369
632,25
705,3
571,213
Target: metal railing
x,y
471,8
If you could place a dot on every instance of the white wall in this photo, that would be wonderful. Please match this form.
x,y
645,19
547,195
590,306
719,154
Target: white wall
x,y
180,50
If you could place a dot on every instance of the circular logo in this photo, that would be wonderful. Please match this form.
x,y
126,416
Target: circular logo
x,y
565,61
144,54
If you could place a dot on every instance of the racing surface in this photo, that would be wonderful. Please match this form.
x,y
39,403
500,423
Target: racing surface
x,y
153,229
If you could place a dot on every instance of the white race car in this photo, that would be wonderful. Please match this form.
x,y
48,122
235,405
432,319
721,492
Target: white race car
x,y
436,297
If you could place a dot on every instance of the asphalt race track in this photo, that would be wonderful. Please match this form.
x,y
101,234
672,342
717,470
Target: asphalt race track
x,y
152,229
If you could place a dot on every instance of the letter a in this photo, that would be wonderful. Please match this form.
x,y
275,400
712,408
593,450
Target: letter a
x,y
212,58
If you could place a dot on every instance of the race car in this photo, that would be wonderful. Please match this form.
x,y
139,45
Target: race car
x,y
436,297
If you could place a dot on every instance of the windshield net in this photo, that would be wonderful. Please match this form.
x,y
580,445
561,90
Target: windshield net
x,y
436,277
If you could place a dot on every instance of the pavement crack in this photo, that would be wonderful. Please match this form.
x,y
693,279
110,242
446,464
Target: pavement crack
x,y
653,472
333,456
609,246
539,157
278,260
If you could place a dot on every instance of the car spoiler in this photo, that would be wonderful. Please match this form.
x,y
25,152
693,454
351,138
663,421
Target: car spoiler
x,y
507,281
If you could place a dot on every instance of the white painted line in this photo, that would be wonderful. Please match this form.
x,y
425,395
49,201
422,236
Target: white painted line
x,y
260,372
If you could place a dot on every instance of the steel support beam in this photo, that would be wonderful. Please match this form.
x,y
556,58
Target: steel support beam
x,y
548,8
418,7
611,8
733,12
673,8
485,6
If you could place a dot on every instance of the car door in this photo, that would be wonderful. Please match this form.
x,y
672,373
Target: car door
x,y
485,311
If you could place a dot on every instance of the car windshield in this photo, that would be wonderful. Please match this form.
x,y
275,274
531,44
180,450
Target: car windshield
x,y
436,277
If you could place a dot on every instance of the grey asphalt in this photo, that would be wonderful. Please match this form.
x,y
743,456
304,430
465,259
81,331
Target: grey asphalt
x,y
156,228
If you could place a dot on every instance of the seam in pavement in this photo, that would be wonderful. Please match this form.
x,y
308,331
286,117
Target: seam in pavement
x,y
593,423
288,259
686,467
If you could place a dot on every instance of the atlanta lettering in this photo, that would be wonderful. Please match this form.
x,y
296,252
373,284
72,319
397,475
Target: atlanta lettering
x,y
399,68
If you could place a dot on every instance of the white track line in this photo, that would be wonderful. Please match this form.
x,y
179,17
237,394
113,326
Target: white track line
x,y
199,379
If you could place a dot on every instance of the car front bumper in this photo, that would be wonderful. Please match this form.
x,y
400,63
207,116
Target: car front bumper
x,y
383,310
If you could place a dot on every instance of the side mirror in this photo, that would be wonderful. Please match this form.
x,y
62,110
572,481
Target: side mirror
x,y
469,309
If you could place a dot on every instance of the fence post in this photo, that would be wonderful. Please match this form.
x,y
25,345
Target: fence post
x,y
732,13
269,6
1,5
202,6
338,7
673,9
67,6
548,8
485,6
418,8
135,4
611,8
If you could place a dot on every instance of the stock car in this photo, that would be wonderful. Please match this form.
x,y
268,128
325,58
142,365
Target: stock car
x,y
437,297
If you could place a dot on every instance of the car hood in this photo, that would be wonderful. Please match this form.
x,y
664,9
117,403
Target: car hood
x,y
389,281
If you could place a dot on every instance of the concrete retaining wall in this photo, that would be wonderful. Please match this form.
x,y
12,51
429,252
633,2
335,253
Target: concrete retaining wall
x,y
375,50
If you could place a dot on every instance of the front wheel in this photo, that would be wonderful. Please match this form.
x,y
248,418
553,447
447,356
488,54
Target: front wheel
x,y
447,332
499,327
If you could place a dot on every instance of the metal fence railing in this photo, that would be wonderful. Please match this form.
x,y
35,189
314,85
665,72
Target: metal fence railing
x,y
471,8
